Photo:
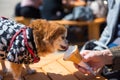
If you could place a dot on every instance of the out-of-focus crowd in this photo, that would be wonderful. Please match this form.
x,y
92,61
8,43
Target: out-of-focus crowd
x,y
76,10
62,9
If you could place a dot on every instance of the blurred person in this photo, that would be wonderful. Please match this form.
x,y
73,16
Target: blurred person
x,y
70,4
86,9
99,7
17,9
52,9
28,9
110,38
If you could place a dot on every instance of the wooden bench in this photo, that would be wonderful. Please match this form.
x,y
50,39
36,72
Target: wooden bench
x,y
93,26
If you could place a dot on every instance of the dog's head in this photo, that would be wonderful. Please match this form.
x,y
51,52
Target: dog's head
x,y
49,36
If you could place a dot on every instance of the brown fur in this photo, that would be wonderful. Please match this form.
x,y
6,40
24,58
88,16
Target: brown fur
x,y
48,37
45,33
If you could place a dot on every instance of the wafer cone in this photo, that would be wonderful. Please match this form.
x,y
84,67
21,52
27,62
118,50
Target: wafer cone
x,y
72,54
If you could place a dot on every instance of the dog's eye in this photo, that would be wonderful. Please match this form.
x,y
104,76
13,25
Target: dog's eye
x,y
63,37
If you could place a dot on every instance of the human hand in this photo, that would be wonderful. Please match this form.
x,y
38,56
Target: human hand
x,y
95,59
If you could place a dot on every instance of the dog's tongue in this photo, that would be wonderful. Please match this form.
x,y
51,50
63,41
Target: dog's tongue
x,y
64,47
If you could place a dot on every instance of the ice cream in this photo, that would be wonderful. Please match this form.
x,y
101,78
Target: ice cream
x,y
73,54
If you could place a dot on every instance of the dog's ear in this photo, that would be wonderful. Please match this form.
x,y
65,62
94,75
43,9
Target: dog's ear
x,y
54,31
38,24
39,30
40,27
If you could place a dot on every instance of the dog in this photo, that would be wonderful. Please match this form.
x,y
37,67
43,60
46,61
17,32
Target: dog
x,y
22,44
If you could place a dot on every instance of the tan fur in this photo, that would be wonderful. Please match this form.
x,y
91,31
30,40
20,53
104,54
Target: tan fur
x,y
45,33
48,37
16,70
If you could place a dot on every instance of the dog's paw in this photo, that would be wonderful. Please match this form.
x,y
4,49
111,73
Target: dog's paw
x,y
1,77
31,71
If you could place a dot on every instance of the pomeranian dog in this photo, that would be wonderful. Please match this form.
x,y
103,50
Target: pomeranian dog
x,y
20,44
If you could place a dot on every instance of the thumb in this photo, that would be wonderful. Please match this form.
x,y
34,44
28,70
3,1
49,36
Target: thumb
x,y
87,57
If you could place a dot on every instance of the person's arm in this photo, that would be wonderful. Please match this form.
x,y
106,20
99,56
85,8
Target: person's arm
x,y
107,32
103,39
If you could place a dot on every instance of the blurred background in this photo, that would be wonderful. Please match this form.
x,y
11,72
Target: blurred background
x,y
73,13
7,7
59,7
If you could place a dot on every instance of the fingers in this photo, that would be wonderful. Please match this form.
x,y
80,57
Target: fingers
x,y
76,65
88,57
82,69
97,67
84,52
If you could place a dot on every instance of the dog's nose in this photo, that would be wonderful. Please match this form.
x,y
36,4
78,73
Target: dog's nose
x,y
68,42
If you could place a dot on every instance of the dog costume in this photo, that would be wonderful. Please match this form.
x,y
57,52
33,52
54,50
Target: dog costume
x,y
18,42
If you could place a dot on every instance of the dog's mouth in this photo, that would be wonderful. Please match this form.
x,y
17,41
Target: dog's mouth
x,y
64,47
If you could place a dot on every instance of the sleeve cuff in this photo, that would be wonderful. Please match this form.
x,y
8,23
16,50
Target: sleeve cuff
x,y
116,58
